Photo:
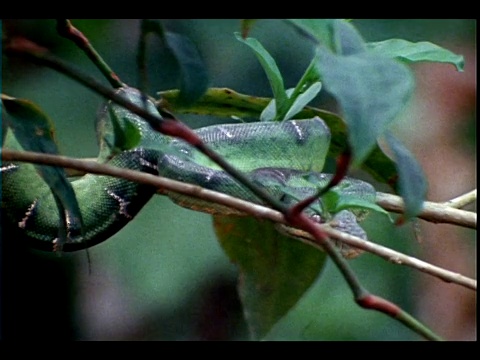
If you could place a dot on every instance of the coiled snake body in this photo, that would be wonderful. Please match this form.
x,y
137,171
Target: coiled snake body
x,y
276,155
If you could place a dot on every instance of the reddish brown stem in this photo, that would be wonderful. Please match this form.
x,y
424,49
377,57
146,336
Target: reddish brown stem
x,y
179,130
373,302
67,30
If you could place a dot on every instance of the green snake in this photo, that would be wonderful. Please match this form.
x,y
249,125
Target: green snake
x,y
285,158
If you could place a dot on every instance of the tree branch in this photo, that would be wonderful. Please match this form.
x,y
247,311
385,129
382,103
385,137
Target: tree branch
x,y
447,212
164,185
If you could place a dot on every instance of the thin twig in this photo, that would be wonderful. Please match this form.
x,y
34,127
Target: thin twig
x,y
165,185
396,257
433,212
67,30
462,200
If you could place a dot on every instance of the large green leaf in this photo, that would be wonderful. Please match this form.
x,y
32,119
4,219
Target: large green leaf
x,y
411,52
275,271
35,132
271,69
372,90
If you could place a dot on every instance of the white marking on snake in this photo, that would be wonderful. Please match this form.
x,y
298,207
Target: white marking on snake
x,y
143,161
146,163
227,134
69,221
298,130
121,202
23,223
8,167
209,176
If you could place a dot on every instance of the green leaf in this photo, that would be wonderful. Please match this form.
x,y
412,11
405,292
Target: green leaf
x,y
125,135
371,90
352,203
350,196
411,52
275,270
309,77
297,98
35,132
347,40
271,69
303,99
319,30
356,203
32,128
269,113
194,76
412,181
